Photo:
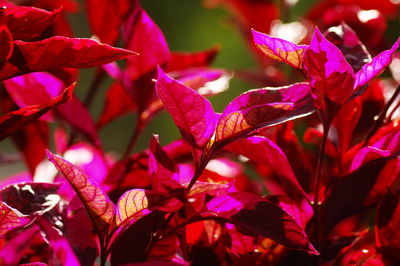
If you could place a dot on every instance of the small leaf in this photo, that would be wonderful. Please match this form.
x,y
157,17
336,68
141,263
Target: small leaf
x,y
13,121
184,60
261,217
376,66
31,198
58,52
279,49
132,206
9,220
264,107
192,114
7,45
99,207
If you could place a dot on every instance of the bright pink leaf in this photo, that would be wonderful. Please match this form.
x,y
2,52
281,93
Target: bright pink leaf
x,y
192,114
132,206
262,150
58,52
27,23
264,107
376,66
330,75
261,217
13,121
107,30
9,220
279,49
97,204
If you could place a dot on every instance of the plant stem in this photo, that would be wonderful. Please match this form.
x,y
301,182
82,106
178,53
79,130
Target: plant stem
x,y
135,136
382,116
317,178
94,88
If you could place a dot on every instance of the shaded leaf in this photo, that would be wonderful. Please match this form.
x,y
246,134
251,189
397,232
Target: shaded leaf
x,y
58,52
185,60
279,49
261,217
192,114
97,204
31,198
16,120
264,107
6,45
9,220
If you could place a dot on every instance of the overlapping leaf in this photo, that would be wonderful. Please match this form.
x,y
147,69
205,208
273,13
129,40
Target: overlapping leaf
x,y
13,121
264,107
132,206
97,204
192,114
279,49
9,220
7,44
58,52
261,217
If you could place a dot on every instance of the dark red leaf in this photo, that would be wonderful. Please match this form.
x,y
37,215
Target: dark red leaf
x,y
185,60
13,121
58,52
7,45
99,207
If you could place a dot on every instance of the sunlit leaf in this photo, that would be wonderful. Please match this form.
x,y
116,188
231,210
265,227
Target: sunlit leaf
x,y
132,206
9,220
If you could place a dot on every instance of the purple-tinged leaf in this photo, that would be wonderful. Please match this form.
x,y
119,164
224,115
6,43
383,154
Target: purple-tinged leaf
x,y
344,38
376,66
9,220
99,207
164,173
31,199
132,206
56,52
330,75
27,23
262,150
349,194
279,49
261,217
192,114
264,107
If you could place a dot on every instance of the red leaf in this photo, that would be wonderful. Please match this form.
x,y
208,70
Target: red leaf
x,y
99,207
107,30
264,107
9,220
279,49
6,45
13,121
261,217
192,114
27,23
58,52
132,206
185,60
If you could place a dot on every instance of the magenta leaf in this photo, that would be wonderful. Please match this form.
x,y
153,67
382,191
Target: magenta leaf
x,y
376,66
97,204
279,49
264,107
30,198
164,173
330,75
58,52
262,150
9,220
192,114
13,121
107,30
132,206
27,23
261,217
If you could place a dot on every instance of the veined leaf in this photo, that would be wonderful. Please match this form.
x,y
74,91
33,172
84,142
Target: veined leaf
x,y
132,206
9,219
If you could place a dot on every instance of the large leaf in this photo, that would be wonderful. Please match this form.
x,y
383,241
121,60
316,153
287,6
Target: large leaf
x,y
31,198
279,49
262,150
9,220
376,66
261,217
13,121
264,107
27,23
58,52
192,113
99,207
330,75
